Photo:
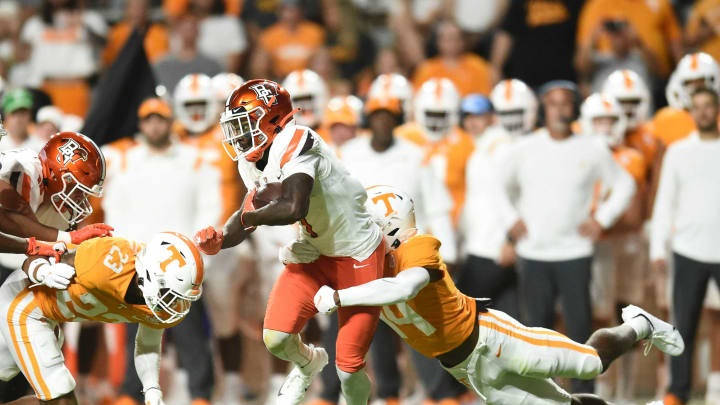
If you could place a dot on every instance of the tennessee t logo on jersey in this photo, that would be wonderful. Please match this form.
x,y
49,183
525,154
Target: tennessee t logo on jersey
x,y
266,93
71,152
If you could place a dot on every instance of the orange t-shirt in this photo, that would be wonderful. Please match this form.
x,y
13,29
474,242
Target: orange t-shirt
x,y
470,75
104,268
672,124
439,318
156,42
213,153
291,50
708,10
653,20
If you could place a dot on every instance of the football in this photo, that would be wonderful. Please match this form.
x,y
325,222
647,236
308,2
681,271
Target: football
x,y
267,193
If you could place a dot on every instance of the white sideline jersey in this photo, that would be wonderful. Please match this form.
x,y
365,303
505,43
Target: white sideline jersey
x,y
337,223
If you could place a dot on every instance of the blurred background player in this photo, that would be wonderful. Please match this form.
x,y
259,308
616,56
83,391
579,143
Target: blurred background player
x,y
488,269
341,120
515,106
554,235
620,270
309,93
176,188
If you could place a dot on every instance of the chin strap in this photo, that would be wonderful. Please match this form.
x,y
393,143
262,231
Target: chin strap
x,y
288,117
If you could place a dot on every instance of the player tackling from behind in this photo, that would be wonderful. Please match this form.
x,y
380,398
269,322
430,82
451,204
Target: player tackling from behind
x,y
491,353
338,242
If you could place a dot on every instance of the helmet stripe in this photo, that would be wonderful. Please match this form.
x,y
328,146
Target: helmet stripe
x,y
200,265
628,79
508,90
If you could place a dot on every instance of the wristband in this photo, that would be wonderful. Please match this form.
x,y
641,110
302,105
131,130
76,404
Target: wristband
x,y
32,269
63,236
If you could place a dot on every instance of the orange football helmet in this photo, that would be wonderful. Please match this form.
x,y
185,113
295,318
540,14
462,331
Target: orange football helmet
x,y
73,168
254,114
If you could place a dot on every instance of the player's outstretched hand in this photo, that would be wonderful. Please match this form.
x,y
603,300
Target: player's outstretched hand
x,y
57,276
325,300
89,232
209,240
55,249
153,396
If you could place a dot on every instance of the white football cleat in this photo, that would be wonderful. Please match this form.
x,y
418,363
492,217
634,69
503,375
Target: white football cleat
x,y
662,335
297,382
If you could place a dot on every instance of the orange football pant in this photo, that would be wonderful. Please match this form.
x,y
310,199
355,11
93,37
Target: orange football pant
x,y
291,302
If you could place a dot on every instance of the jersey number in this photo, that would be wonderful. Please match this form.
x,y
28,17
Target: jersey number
x,y
308,228
89,307
113,262
408,316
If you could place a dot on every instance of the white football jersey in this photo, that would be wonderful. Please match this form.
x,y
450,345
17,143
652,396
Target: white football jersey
x,y
337,223
21,168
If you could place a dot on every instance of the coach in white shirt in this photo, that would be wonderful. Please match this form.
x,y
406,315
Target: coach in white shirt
x,y
153,184
488,269
553,223
687,216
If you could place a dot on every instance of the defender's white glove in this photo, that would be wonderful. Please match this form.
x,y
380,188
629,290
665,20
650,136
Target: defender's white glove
x,y
325,300
56,275
153,396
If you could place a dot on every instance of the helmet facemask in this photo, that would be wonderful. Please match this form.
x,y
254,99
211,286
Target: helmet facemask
x,y
512,120
72,201
437,123
309,115
242,136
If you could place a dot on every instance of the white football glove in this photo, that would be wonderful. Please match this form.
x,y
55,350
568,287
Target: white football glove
x,y
57,276
325,300
153,396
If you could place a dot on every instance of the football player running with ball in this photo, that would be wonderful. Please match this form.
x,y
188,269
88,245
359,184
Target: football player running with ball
x,y
488,351
338,243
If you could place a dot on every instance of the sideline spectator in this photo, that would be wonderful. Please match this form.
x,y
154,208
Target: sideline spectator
x,y
49,120
17,108
702,30
156,41
221,36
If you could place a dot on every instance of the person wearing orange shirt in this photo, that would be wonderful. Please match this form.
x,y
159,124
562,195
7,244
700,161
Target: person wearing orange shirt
x,y
469,72
107,280
703,26
156,41
654,23
288,44
487,350
622,245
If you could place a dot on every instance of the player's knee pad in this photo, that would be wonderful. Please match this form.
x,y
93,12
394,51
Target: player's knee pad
x,y
275,341
355,386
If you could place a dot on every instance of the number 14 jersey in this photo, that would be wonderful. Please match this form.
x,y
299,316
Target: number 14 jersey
x,y
439,318
104,268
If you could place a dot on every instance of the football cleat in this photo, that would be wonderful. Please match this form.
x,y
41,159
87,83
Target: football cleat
x,y
662,335
297,382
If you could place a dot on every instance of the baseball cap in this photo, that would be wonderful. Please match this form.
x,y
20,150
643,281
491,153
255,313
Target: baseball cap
x,y
340,112
383,103
558,84
51,114
476,104
154,105
17,99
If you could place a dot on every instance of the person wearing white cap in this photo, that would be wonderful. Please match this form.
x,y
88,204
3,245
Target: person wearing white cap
x,y
48,121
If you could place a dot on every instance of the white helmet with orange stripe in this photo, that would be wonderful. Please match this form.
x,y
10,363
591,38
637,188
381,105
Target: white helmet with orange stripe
x,y
601,115
394,212
395,86
309,93
224,84
515,105
195,105
629,89
437,107
170,275
694,70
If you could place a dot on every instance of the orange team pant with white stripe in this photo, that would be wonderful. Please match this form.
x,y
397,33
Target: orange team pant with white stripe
x,y
513,364
28,343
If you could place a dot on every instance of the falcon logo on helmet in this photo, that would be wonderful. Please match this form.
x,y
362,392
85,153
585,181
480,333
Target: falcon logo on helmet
x,y
71,152
265,94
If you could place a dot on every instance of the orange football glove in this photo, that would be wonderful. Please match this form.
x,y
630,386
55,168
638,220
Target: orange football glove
x,y
89,232
248,205
209,240
55,249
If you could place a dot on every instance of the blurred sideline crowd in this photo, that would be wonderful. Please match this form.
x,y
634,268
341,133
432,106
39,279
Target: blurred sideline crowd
x,y
565,153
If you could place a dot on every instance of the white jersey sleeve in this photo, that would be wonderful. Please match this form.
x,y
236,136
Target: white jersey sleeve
x,y
21,169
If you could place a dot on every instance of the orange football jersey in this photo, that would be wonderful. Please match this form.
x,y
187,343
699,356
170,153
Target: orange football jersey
x,y
104,268
440,317
413,132
642,140
632,161
672,124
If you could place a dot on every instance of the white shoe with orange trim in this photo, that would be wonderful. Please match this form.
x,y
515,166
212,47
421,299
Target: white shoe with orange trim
x,y
297,382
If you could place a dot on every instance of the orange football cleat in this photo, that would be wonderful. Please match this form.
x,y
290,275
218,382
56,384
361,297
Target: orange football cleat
x,y
125,400
200,401
671,399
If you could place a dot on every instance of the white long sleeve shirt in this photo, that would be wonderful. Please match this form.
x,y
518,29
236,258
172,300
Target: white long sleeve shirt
x,y
555,180
686,210
480,222
401,166
146,192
